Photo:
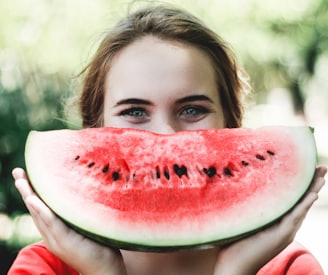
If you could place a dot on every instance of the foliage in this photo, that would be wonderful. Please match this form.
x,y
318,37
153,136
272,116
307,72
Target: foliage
x,y
304,41
43,43
33,103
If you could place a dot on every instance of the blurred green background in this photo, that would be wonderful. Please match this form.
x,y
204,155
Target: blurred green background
x,y
283,45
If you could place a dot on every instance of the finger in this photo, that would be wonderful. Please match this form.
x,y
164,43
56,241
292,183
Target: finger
x,y
318,179
35,212
49,225
39,211
21,183
45,218
295,218
24,188
317,185
321,171
19,173
57,236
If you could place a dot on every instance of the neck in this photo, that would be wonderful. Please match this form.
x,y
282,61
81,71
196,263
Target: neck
x,y
182,262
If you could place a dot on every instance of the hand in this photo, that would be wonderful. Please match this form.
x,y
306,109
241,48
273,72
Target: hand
x,y
84,255
248,255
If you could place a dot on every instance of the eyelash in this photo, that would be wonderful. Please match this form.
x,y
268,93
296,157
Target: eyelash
x,y
140,114
130,110
197,112
129,113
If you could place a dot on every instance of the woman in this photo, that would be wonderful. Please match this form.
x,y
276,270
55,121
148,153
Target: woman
x,y
160,69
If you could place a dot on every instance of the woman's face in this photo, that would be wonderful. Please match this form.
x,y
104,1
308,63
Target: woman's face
x,y
162,86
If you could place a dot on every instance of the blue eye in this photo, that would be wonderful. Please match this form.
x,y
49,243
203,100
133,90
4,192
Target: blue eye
x,y
134,112
192,111
135,115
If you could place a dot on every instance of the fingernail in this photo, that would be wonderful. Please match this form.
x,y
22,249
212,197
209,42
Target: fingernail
x,y
16,173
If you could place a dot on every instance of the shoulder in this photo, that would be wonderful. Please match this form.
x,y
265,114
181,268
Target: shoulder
x,y
295,259
36,258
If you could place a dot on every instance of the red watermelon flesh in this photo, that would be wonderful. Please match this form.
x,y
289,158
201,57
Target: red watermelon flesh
x,y
145,191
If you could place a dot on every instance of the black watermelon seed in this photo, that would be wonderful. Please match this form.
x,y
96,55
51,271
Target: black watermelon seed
x,y
105,169
115,175
166,173
77,158
244,163
227,171
158,172
210,172
180,170
270,153
91,164
260,157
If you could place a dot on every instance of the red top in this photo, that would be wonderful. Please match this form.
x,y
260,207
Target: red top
x,y
36,259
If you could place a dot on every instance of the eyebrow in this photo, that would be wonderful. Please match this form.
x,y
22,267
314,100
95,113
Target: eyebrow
x,y
133,101
194,98
139,101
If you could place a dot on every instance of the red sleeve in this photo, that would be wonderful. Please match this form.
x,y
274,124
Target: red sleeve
x,y
36,259
294,260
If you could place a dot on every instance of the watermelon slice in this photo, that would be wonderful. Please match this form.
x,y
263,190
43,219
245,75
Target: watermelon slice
x,y
139,190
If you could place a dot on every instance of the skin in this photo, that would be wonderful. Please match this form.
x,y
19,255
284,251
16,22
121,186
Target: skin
x,y
164,86
171,87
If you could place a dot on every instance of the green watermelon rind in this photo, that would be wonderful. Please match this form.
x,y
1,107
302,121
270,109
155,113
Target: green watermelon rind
x,y
144,246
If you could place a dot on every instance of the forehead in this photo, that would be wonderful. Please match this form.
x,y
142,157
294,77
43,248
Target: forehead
x,y
157,65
